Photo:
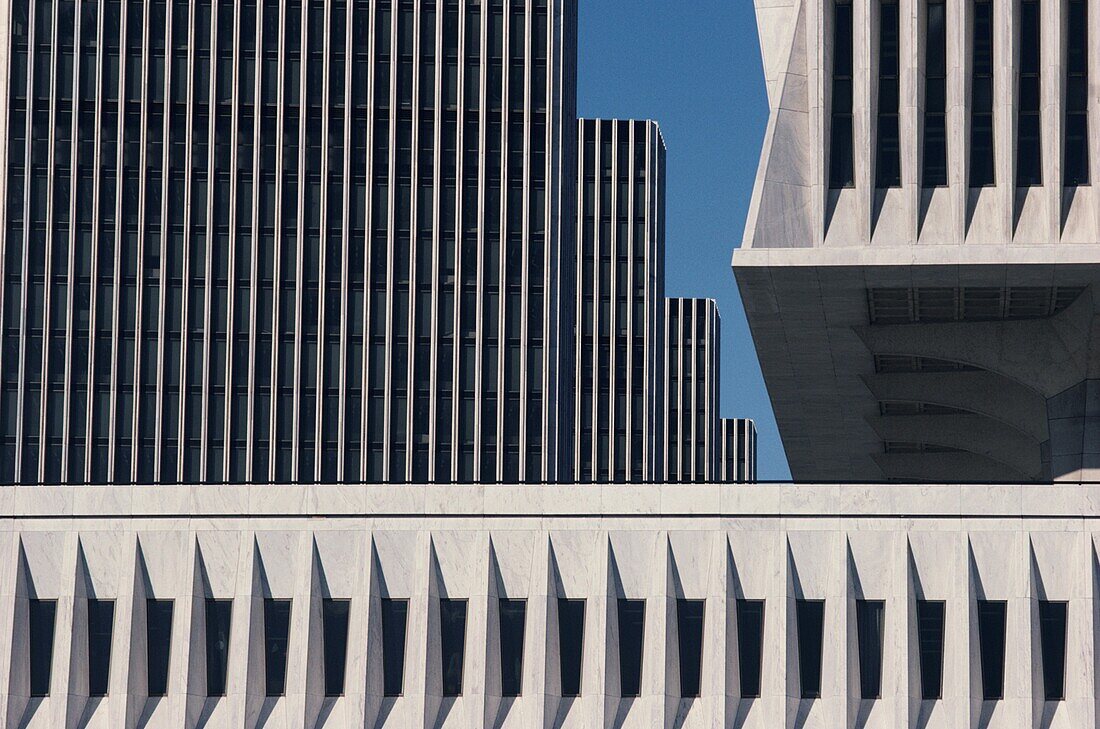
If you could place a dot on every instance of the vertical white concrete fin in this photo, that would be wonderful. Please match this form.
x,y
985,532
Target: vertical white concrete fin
x,y
959,18
661,645
969,632
483,636
18,681
134,619
850,677
255,677
733,592
430,689
76,668
370,675
607,679
1052,46
1006,27
793,592
189,635
549,686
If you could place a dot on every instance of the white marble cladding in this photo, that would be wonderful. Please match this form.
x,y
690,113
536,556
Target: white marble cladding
x,y
792,205
709,542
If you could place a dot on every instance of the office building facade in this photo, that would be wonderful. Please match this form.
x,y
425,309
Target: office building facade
x,y
286,241
648,606
920,262
737,458
620,301
691,388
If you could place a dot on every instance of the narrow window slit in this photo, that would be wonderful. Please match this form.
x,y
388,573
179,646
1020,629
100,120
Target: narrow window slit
x,y
1076,167
750,644
276,639
930,632
888,156
810,619
1052,635
1029,152
571,644
991,641
631,642
981,101
934,171
395,615
870,615
841,168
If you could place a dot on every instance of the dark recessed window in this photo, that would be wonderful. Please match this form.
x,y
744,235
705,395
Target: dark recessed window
x,y
452,634
689,630
930,624
334,624
1029,148
158,619
934,172
981,100
631,641
1052,634
42,617
218,614
1076,167
870,616
888,157
810,617
991,644
395,618
101,621
570,644
513,617
276,638
750,645
841,172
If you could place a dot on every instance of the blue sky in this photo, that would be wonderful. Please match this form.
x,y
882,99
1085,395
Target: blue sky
x,y
694,67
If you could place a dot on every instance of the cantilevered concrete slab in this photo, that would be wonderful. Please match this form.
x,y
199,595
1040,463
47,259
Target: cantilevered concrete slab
x,y
920,332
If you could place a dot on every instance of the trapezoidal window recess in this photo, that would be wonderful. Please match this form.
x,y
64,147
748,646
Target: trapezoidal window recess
x,y
689,632
218,617
570,644
631,645
276,641
991,643
934,167
41,617
1075,169
452,634
1029,145
841,165
750,645
1052,635
870,619
101,619
395,618
982,172
513,619
158,621
810,619
930,633
888,140
334,626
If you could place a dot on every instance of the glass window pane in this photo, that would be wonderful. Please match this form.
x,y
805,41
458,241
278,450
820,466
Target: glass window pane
x,y
930,624
334,622
689,630
394,625
40,635
158,618
101,618
276,637
991,639
750,642
1052,632
218,614
869,624
513,616
631,640
810,617
452,629
571,644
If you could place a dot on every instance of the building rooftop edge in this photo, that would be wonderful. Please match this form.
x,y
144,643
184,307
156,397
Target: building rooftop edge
x,y
578,502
